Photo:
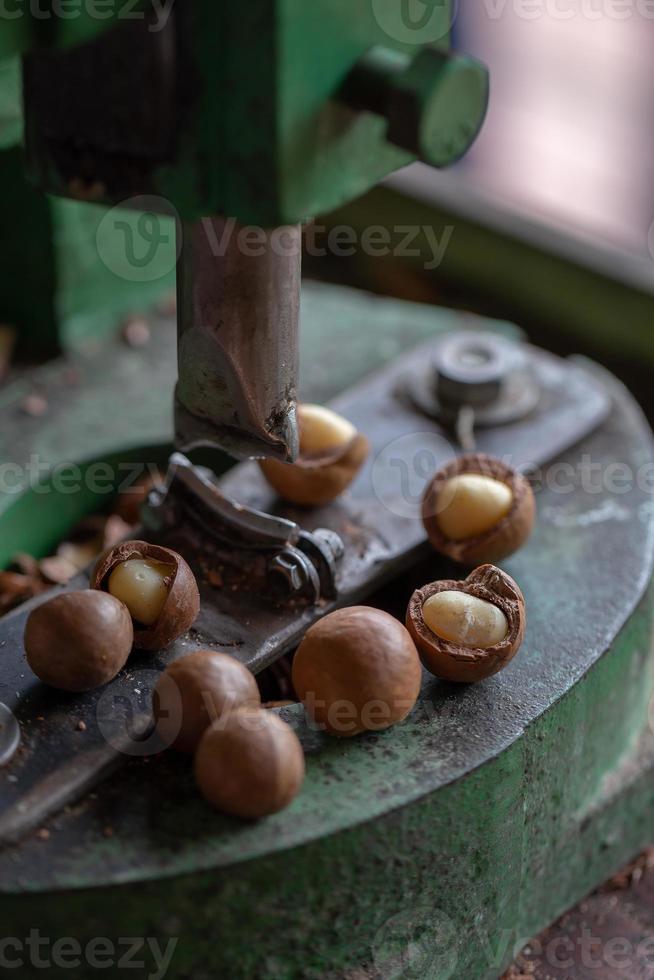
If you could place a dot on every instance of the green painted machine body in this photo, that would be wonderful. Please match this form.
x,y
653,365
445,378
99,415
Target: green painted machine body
x,y
245,112
256,122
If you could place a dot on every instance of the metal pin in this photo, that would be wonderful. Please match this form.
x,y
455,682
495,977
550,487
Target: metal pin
x,y
465,429
9,734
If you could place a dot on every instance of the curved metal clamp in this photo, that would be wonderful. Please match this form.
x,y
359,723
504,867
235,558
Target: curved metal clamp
x,y
306,563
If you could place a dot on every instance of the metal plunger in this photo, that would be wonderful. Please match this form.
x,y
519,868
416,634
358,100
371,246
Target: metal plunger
x,y
238,303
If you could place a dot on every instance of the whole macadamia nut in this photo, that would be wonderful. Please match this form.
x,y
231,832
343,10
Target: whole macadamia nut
x,y
249,764
197,690
156,585
357,670
331,454
79,640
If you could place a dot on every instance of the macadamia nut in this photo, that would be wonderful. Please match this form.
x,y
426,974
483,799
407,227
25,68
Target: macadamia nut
x,y
332,452
357,670
249,764
156,584
471,504
478,510
142,584
322,431
465,620
197,690
79,640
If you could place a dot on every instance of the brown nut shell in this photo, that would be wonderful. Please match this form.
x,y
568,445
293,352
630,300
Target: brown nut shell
x,y
357,670
182,605
79,640
317,481
466,665
197,690
129,501
509,534
249,764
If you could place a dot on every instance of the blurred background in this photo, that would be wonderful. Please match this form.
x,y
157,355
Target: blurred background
x,y
550,215
568,140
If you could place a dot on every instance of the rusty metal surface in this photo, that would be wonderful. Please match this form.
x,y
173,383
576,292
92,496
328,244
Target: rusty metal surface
x,y
238,310
378,522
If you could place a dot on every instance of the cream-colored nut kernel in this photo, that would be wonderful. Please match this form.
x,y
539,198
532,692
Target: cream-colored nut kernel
x,y
465,620
141,584
322,431
471,504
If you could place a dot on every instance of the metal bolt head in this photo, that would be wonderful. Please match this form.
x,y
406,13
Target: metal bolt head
x,y
438,105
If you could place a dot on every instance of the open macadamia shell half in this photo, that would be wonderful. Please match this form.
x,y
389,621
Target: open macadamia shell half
x,y
503,538
182,604
316,480
469,664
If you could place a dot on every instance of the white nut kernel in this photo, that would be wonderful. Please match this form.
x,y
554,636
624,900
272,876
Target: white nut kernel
x,y
471,504
465,620
322,431
140,584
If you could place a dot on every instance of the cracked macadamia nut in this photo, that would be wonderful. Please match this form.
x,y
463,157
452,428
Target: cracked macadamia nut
x,y
197,690
357,670
79,640
249,764
331,454
466,631
156,585
476,509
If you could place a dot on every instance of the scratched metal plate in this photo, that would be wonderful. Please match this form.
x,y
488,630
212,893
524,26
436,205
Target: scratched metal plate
x,y
378,521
